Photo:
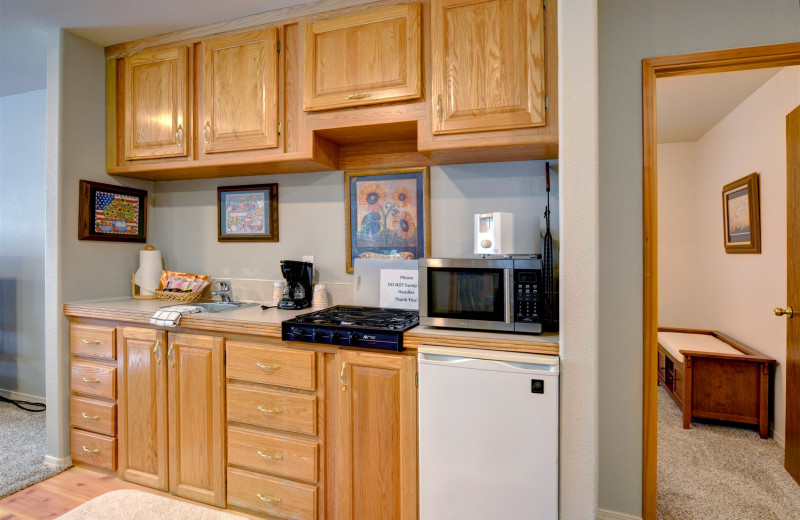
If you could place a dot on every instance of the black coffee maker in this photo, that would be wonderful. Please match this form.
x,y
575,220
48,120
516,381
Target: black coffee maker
x,y
297,293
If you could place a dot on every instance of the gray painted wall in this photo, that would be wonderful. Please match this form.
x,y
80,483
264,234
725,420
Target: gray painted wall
x,y
629,31
22,217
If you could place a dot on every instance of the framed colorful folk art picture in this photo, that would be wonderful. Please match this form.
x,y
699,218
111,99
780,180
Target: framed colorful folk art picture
x,y
112,213
247,213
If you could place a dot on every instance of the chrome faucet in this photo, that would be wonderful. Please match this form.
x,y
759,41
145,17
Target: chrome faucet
x,y
225,292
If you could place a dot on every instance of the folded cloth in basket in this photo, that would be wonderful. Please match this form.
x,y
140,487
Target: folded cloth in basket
x,y
170,316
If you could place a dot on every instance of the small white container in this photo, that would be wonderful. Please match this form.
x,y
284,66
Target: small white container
x,y
320,298
277,291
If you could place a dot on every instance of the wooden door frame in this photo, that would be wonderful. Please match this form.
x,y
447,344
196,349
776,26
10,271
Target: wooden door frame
x,y
652,68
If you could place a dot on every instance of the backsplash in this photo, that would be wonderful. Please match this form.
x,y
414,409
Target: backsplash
x,y
252,290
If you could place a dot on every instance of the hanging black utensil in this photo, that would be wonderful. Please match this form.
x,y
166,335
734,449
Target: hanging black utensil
x,y
549,309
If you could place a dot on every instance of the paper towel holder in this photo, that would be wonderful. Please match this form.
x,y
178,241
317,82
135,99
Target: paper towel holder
x,y
135,290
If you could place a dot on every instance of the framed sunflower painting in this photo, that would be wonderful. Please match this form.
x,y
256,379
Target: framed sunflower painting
x,y
387,214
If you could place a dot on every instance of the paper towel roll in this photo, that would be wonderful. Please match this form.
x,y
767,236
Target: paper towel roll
x,y
148,276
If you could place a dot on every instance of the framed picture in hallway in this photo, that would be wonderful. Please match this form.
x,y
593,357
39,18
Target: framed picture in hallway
x,y
111,212
741,215
386,214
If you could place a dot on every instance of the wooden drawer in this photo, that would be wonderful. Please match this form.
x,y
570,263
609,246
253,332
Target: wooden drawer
x,y
94,379
270,453
271,495
91,341
271,366
281,410
661,365
94,449
96,416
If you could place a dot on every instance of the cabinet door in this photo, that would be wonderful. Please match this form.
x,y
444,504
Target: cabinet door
x,y
142,406
487,59
197,418
364,58
240,92
156,104
376,452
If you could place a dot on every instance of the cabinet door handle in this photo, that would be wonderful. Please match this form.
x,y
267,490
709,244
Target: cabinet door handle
x,y
87,342
268,410
270,457
157,352
170,357
179,135
341,376
205,131
86,380
268,499
92,417
87,450
357,96
268,367
439,108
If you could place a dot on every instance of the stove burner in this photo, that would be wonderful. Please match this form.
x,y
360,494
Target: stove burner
x,y
370,327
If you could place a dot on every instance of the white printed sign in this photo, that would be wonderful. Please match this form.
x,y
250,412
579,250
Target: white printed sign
x,y
399,289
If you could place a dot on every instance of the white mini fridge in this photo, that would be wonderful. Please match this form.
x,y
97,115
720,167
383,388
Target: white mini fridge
x,y
488,435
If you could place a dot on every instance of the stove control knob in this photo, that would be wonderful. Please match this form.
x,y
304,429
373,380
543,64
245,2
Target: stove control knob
x,y
353,340
335,337
318,336
297,333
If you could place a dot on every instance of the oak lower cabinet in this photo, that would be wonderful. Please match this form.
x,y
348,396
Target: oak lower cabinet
x,y
376,438
171,412
92,403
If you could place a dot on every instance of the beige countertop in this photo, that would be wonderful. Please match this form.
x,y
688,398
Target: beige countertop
x,y
257,321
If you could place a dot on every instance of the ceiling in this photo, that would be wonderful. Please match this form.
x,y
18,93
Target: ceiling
x,y
24,25
689,106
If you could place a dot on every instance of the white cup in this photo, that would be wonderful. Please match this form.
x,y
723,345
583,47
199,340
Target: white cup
x,y
277,291
320,298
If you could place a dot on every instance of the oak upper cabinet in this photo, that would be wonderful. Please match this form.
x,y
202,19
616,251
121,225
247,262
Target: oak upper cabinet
x,y
156,104
376,452
171,413
240,92
364,58
487,65
142,406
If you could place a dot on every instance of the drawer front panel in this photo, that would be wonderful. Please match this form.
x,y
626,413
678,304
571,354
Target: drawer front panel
x,y
94,379
92,415
94,449
273,454
281,410
91,341
272,366
270,495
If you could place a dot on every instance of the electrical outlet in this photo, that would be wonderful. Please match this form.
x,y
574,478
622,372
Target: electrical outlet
x,y
308,258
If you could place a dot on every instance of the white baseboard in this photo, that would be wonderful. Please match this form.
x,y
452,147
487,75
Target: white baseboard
x,y
605,514
780,439
16,396
55,462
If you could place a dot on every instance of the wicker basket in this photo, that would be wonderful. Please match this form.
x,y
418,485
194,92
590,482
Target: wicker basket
x,y
182,297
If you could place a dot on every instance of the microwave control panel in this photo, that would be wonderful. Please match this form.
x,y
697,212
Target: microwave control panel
x,y
526,296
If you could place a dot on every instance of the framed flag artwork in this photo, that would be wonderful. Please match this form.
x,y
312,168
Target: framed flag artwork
x,y
112,213
247,213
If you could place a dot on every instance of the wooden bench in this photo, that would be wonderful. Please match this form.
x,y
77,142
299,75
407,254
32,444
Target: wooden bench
x,y
713,376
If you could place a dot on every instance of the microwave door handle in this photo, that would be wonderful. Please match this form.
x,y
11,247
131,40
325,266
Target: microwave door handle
x,y
509,295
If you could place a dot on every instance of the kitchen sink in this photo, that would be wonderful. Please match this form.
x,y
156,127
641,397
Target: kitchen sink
x,y
223,306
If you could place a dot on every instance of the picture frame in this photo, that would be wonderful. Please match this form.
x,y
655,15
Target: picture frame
x,y
387,214
741,215
111,213
247,213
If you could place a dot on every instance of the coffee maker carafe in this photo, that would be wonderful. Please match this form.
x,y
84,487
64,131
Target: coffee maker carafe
x,y
297,293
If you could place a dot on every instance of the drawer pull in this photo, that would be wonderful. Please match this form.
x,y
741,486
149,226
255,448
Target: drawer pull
x,y
87,342
170,357
92,417
87,450
268,499
341,377
267,410
270,457
157,352
357,96
268,367
86,380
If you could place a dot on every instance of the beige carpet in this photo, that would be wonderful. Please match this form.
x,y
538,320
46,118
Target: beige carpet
x,y
711,472
129,504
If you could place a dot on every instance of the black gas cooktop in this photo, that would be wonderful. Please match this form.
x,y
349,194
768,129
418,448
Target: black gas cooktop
x,y
369,327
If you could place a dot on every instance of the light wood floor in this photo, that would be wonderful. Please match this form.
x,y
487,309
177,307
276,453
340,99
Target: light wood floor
x,y
66,491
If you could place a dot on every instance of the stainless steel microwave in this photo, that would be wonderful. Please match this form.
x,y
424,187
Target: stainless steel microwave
x,y
481,293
